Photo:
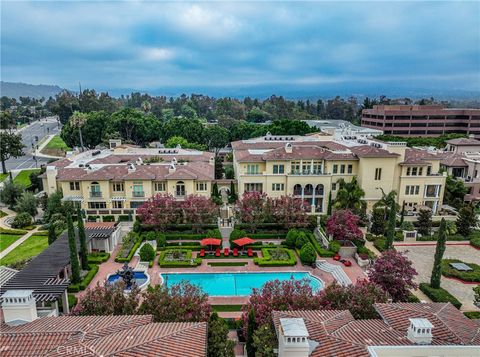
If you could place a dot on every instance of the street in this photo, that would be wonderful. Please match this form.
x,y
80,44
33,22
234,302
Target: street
x,y
30,134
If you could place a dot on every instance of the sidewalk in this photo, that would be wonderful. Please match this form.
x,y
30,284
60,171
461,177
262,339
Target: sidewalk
x,y
42,146
18,242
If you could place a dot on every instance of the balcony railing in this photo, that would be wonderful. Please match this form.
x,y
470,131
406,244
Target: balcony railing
x,y
138,194
95,194
180,193
307,172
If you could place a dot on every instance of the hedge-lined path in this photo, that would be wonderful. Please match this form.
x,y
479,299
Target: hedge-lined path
x,y
422,258
18,242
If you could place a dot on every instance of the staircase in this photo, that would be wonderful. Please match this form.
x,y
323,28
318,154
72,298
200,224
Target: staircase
x,y
336,271
141,266
225,226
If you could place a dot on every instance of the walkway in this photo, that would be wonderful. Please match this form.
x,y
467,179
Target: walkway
x,y
18,242
9,213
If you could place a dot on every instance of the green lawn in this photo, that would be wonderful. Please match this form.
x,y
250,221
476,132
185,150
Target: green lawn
x,y
33,246
57,144
3,177
2,214
6,240
23,177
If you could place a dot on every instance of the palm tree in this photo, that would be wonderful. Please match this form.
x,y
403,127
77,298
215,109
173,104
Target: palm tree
x,y
386,201
78,121
349,195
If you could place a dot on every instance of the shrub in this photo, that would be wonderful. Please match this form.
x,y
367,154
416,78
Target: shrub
x,y
472,314
301,240
184,259
475,242
214,233
271,257
365,251
98,258
12,231
161,240
407,226
147,253
108,218
307,254
123,218
470,276
334,246
131,242
152,235
320,250
380,243
439,295
236,234
22,220
82,285
291,238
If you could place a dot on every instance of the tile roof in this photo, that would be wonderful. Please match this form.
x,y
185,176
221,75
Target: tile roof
x,y
421,157
369,151
104,336
464,142
454,160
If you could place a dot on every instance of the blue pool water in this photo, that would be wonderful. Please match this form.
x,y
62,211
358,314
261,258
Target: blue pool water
x,y
237,284
139,277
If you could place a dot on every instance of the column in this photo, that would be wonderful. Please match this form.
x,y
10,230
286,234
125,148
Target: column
x,y
65,307
313,197
303,194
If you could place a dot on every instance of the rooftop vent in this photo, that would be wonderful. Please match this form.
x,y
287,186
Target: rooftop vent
x,y
131,168
288,148
420,331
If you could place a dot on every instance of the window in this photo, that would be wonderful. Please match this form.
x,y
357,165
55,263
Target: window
x,y
335,168
75,186
278,169
159,186
420,170
334,186
342,169
278,187
317,167
95,190
408,171
252,169
201,186
135,204
180,189
97,205
249,187
138,189
118,187
412,190
117,204
378,174
295,167
414,171
350,169
429,170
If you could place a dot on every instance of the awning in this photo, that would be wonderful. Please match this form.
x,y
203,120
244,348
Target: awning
x,y
75,198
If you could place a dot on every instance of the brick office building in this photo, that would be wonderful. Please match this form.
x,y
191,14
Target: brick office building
x,y
424,120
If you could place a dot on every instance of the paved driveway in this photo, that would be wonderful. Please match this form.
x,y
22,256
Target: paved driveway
x,y
422,258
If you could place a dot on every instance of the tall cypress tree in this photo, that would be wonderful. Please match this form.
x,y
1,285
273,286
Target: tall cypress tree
x,y
73,250
233,195
251,327
440,249
83,240
52,236
391,225
329,207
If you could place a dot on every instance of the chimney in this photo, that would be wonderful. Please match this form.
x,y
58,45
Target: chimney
x,y
172,167
131,168
211,161
51,174
19,307
420,331
288,148
293,338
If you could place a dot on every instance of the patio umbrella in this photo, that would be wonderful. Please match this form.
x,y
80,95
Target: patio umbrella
x,y
211,241
243,241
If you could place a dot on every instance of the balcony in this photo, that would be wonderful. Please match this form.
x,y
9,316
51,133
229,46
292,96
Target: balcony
x,y
180,194
138,194
307,172
95,194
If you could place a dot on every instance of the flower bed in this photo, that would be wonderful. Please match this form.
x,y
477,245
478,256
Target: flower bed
x,y
276,257
439,295
177,258
130,245
472,276
82,285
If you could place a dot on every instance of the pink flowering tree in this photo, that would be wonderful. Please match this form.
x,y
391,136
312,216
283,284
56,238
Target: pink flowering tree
x,y
160,211
358,299
394,273
279,295
251,208
182,302
199,210
343,225
289,211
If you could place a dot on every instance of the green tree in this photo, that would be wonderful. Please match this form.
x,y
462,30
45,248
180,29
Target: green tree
x,y
301,240
10,146
218,343
27,202
439,250
147,253
424,221
215,138
22,220
291,238
218,167
215,195
455,191
378,222
251,327
52,235
329,207
175,141
392,214
466,220
386,202
308,254
264,341
10,193
349,196
72,243
233,197
83,240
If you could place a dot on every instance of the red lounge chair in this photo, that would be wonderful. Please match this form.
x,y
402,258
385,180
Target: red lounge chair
x,y
217,252
347,263
226,252
336,257
202,252
250,252
235,252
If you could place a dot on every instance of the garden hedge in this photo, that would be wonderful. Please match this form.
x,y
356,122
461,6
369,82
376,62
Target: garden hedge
x,y
98,258
266,260
472,314
184,236
267,235
186,263
380,244
472,276
13,231
475,242
325,253
439,295
130,255
82,285
189,247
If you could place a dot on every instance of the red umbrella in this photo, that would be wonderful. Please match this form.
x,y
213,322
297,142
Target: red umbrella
x,y
243,241
211,241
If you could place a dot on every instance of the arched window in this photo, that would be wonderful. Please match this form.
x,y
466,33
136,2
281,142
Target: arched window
x,y
319,190
308,190
297,190
95,189
180,189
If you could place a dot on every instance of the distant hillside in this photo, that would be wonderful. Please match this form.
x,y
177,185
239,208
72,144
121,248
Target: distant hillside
x,y
16,90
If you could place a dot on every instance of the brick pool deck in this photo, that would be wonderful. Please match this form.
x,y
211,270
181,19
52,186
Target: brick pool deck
x,y
109,267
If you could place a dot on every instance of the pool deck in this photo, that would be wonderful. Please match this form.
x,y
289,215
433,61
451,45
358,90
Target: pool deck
x,y
354,273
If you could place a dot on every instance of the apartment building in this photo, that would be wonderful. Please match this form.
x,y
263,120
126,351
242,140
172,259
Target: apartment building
x,y
119,180
311,168
429,120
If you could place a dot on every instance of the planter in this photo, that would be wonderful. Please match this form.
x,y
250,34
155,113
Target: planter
x,y
361,262
410,235
347,250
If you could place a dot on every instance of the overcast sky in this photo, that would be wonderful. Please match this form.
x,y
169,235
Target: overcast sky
x,y
147,45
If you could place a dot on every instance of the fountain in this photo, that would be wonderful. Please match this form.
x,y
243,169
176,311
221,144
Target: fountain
x,y
130,278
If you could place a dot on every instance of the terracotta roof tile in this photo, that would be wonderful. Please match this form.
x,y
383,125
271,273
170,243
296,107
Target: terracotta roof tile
x,y
464,142
369,151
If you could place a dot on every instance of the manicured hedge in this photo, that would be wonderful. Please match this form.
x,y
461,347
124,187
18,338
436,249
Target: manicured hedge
x,y
12,231
41,233
98,258
325,253
185,246
439,295
380,244
176,244
267,235
365,250
472,314
334,246
226,308
184,236
470,276
130,255
227,264
82,285
180,264
266,260
475,242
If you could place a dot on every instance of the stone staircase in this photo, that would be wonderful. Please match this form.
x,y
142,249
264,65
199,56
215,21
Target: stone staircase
x,y
337,272
141,266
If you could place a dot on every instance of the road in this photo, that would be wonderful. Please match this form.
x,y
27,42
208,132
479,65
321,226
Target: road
x,y
30,134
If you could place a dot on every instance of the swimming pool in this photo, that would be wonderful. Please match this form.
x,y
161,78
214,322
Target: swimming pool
x,y
237,284
141,279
